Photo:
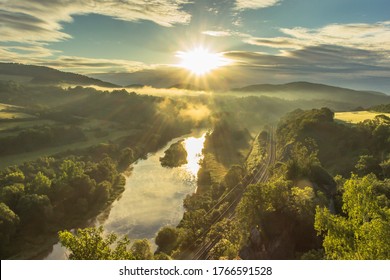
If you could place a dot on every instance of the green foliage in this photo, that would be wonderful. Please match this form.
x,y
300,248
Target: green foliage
x,y
385,166
234,176
9,222
162,256
142,250
10,195
302,159
363,233
262,199
383,108
36,138
229,239
167,239
175,155
90,244
40,184
126,157
367,164
224,249
14,177
339,146
303,202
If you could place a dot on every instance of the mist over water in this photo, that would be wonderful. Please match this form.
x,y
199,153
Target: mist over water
x,y
153,195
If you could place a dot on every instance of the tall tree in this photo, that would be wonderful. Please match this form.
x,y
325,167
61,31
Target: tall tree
x,y
91,244
364,231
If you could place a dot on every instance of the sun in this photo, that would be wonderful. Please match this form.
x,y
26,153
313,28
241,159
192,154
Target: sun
x,y
200,61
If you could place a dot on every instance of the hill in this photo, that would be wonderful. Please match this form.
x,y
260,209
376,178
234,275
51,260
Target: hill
x,y
311,91
45,75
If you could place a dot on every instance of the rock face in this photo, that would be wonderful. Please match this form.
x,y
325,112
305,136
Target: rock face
x,y
175,156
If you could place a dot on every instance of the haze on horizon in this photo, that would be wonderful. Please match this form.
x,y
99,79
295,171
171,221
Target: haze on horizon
x,y
231,42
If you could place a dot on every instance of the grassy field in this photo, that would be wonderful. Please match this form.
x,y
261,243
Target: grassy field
x,y
10,112
23,157
96,132
358,116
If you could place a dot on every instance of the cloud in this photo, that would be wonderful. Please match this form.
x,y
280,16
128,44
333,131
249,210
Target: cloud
x,y
316,60
276,42
365,36
42,56
329,64
40,22
214,33
255,4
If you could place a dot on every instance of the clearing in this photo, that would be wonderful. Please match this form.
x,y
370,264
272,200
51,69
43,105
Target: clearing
x,y
357,116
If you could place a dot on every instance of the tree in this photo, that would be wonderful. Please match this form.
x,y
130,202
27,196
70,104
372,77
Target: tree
x,y
34,209
363,233
234,176
14,177
166,239
385,166
71,169
40,184
142,250
91,244
103,190
368,164
126,157
8,224
224,249
10,195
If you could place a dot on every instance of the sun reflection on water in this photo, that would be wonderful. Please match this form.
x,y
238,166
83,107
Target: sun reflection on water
x,y
194,148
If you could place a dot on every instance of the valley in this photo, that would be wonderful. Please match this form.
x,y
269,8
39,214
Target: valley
x,y
252,173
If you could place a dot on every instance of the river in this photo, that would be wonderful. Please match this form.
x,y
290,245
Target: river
x,y
153,195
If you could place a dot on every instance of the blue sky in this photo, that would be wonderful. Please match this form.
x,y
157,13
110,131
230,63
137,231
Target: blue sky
x,y
341,42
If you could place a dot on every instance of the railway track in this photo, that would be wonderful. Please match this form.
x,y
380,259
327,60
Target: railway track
x,y
261,175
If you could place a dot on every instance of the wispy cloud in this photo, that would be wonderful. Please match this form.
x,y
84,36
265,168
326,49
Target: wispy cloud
x,y
215,33
276,42
39,55
316,60
41,21
358,35
255,4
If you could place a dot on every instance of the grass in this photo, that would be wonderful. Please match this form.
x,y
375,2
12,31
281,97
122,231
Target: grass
x,y
255,155
23,157
357,116
216,169
18,125
96,132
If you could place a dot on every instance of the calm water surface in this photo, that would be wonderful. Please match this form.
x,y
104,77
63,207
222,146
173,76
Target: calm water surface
x,y
153,195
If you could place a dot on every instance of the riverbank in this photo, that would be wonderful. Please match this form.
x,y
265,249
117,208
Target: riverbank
x,y
153,195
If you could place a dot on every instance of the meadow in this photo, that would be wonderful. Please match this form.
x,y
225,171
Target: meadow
x,y
357,116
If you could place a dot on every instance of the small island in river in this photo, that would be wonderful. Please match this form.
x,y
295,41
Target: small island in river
x,y
175,155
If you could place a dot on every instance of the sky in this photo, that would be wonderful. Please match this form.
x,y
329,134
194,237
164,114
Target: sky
x,y
338,42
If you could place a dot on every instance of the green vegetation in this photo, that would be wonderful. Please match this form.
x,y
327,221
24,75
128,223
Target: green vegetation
x,y
40,137
382,108
302,212
106,247
49,194
358,116
310,207
362,230
46,194
175,155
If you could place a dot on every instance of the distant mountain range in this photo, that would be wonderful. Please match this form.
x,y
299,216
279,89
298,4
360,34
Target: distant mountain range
x,y
301,87
46,75
310,91
290,91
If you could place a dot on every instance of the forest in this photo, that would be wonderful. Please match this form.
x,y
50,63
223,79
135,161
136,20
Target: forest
x,y
324,195
306,209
